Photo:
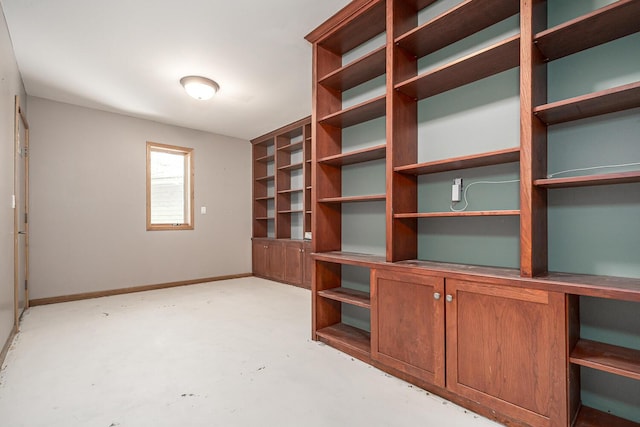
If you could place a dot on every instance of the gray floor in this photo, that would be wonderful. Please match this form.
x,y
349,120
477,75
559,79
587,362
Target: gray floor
x,y
233,353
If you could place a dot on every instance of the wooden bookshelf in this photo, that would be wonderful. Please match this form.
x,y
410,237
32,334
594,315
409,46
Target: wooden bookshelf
x,y
553,396
462,21
608,23
494,59
498,157
594,104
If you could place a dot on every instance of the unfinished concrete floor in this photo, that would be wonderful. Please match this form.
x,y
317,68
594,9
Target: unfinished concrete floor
x,y
232,353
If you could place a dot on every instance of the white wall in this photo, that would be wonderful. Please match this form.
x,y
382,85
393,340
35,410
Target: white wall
x,y
88,203
10,85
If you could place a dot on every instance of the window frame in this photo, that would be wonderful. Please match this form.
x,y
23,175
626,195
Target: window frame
x,y
189,175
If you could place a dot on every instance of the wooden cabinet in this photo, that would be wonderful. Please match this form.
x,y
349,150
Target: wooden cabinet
x,y
504,345
282,260
506,350
407,324
293,263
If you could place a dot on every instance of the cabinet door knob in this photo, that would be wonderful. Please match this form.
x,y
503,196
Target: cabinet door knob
x,y
436,295
449,298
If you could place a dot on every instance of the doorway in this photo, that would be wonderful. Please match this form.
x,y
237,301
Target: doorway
x,y
21,213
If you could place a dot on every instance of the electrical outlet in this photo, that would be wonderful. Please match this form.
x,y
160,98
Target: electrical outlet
x,y
456,190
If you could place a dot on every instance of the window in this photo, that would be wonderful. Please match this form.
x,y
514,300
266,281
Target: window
x,y
169,187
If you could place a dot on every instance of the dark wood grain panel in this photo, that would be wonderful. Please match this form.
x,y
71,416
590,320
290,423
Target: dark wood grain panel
x,y
408,324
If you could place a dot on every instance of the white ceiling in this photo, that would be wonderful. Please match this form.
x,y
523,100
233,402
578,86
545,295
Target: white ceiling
x,y
127,56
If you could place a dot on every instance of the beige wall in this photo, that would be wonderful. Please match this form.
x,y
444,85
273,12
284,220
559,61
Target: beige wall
x,y
10,86
88,217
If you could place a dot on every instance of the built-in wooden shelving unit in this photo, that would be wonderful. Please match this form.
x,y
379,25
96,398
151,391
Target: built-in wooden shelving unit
x,y
417,34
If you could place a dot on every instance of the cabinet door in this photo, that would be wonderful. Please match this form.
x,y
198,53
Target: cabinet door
x,y
293,263
407,324
506,350
275,260
259,258
308,265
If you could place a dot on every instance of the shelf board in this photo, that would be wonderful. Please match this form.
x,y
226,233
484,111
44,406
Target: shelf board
x,y
608,358
294,211
589,417
264,198
292,147
508,155
484,63
359,156
265,218
265,178
354,199
603,25
594,104
589,180
457,214
296,190
349,296
457,23
368,23
622,288
290,167
266,159
352,340
357,72
349,258
360,113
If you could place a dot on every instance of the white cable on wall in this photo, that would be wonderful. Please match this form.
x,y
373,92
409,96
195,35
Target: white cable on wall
x,y
464,194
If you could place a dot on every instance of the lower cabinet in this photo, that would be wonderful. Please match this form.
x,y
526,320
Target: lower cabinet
x,y
505,345
281,260
407,324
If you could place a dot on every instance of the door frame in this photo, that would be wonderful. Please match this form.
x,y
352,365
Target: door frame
x,y
20,118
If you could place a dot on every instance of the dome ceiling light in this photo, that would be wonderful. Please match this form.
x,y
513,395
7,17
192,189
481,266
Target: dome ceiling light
x,y
199,87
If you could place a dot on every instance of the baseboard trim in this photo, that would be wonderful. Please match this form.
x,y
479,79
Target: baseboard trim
x,y
122,291
7,345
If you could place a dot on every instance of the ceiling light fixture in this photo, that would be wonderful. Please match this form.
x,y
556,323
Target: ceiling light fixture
x,y
199,87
